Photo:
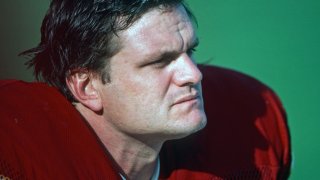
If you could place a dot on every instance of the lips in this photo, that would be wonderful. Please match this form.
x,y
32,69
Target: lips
x,y
185,99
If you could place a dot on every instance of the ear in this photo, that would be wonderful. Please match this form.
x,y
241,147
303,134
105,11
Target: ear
x,y
83,89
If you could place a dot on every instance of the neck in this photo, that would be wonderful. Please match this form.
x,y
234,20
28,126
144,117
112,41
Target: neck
x,y
136,158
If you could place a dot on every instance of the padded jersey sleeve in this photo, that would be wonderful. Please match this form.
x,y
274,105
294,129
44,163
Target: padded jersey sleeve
x,y
42,136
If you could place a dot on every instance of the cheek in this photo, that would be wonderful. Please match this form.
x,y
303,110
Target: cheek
x,y
150,83
146,90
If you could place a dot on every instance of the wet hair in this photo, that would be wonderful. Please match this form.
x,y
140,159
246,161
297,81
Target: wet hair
x,y
79,35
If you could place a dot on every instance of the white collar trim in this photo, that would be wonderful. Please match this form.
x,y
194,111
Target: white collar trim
x,y
156,172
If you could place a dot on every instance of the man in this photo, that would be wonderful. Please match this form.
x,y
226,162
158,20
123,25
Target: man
x,y
127,67
128,70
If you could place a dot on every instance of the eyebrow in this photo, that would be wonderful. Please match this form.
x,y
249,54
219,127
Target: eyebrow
x,y
195,43
169,54
173,54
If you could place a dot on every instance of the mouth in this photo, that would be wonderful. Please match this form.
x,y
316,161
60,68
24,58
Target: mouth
x,y
187,99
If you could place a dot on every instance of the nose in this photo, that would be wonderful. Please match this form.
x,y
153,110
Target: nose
x,y
186,71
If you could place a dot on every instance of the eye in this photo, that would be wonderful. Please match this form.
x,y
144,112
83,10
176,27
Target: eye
x,y
191,51
161,63
162,60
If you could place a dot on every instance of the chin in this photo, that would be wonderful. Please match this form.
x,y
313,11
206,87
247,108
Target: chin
x,y
190,126
199,124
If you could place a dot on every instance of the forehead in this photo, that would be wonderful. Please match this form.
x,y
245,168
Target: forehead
x,y
160,30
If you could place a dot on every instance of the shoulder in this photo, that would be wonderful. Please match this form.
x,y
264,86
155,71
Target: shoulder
x,y
43,136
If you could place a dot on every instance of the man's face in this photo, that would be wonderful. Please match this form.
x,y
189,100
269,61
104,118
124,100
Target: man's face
x,y
155,88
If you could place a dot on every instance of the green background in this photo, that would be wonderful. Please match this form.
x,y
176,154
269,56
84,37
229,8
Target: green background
x,y
278,42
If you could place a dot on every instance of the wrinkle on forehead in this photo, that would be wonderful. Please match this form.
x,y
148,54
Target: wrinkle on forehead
x,y
157,27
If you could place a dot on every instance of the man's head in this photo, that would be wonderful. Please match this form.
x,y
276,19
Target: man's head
x,y
140,79
79,35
